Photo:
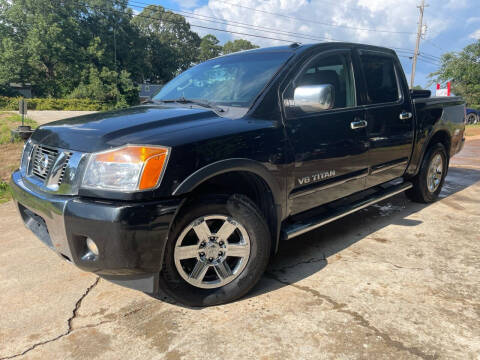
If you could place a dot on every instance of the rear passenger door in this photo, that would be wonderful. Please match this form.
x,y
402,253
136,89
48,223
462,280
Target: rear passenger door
x,y
330,145
390,127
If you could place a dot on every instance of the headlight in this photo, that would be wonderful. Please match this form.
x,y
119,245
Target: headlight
x,y
128,168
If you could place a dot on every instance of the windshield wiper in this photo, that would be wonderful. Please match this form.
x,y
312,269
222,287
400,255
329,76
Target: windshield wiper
x,y
204,104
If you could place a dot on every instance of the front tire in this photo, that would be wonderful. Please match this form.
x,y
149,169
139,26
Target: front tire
x,y
217,250
429,180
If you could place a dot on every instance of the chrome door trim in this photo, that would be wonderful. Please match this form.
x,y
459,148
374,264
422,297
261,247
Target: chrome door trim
x,y
364,174
380,168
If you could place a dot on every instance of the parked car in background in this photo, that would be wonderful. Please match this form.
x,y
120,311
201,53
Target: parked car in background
x,y
472,116
193,192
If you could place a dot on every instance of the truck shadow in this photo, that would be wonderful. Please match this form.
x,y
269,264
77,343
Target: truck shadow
x,y
308,254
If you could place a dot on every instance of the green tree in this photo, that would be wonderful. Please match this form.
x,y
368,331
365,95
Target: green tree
x,y
49,43
97,49
106,86
237,45
463,70
171,44
41,44
209,48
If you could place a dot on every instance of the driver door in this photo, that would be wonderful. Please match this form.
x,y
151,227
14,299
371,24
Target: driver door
x,y
330,145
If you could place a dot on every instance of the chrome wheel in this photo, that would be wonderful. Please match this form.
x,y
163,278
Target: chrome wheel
x,y
212,251
435,173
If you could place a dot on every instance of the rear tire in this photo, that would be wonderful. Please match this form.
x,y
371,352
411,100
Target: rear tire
x,y
429,180
203,264
472,119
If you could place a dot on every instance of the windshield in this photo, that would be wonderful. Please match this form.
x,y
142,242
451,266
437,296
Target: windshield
x,y
233,80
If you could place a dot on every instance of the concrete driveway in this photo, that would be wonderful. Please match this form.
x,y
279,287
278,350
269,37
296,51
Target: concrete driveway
x,y
395,281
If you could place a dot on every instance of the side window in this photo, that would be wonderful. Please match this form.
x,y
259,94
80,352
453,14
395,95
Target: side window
x,y
334,70
381,81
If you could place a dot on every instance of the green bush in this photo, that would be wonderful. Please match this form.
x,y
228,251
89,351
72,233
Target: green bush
x,y
5,193
11,103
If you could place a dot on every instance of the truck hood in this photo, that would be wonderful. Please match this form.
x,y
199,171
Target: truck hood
x,y
155,125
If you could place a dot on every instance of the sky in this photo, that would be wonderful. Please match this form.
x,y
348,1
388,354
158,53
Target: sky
x,y
449,25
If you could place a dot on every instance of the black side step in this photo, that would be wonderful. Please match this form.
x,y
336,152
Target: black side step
x,y
298,228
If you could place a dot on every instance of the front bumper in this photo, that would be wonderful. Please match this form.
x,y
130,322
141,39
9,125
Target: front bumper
x,y
131,237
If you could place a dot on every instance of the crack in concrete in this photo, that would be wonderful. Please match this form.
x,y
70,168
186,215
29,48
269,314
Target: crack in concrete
x,y
340,307
309,261
381,263
107,321
78,304
315,260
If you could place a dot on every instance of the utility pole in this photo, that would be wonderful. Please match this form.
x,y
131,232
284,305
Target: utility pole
x,y
417,45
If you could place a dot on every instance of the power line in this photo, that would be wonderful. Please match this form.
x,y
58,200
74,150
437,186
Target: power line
x,y
254,27
434,44
200,26
419,59
429,58
234,23
314,21
192,25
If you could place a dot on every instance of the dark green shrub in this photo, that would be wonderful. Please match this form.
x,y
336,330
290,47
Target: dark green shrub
x,y
11,103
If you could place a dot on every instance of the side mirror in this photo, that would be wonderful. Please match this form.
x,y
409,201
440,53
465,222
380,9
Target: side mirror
x,y
312,98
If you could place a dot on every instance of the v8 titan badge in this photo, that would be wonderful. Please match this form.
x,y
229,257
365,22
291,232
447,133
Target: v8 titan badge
x,y
316,177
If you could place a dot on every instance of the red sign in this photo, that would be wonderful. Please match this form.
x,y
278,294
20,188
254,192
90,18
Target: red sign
x,y
443,92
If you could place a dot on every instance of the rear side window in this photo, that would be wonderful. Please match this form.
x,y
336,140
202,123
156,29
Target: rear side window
x,y
382,86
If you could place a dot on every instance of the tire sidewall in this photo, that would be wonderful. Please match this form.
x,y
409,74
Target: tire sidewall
x,y
470,119
242,210
434,150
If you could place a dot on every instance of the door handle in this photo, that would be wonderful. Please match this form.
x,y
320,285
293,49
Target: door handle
x,y
358,124
404,115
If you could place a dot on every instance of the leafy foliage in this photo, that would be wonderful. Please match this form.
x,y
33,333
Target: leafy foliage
x,y
107,86
11,103
209,48
238,45
463,70
97,49
5,193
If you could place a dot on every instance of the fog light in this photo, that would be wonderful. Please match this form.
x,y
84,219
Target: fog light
x,y
92,246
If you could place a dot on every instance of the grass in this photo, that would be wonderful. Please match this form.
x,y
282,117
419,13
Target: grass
x,y
10,152
9,161
5,194
8,122
472,130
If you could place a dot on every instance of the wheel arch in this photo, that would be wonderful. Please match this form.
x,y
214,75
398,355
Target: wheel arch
x,y
441,136
243,176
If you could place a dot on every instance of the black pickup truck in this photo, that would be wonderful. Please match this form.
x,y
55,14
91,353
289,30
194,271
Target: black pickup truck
x,y
192,193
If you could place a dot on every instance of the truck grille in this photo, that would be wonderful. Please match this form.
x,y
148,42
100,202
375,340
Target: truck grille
x,y
62,172
43,159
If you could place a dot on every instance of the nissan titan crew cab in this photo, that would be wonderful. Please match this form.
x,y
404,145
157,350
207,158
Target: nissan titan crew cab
x,y
192,193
